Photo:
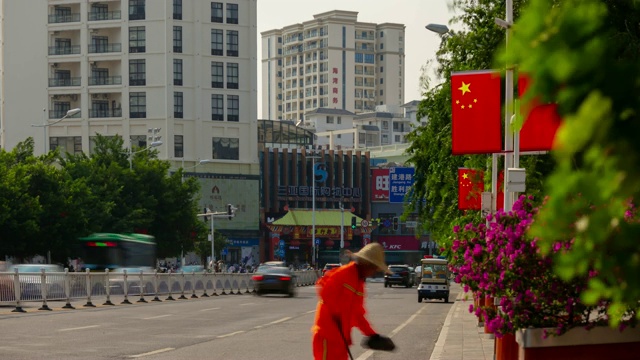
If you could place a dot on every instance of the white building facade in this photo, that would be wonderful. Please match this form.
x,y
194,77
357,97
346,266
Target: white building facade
x,y
187,69
332,61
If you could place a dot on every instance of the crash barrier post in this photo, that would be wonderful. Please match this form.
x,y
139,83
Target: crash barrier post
x,y
182,286
205,275
155,286
141,286
67,290
223,278
43,290
16,288
193,285
88,284
125,287
170,297
107,288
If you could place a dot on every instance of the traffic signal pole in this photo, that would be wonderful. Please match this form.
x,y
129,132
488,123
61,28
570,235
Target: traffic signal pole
x,y
342,226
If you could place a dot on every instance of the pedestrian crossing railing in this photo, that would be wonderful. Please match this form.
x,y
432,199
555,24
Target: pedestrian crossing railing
x,y
125,287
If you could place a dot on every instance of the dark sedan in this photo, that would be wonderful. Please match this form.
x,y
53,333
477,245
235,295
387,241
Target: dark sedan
x,y
274,280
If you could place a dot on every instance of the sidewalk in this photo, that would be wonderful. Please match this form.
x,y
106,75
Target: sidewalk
x,y
461,338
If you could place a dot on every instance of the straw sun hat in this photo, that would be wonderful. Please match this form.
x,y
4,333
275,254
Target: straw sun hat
x,y
372,253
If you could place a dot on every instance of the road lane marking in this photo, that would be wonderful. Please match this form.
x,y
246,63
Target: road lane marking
x,y
246,304
310,312
210,309
367,354
230,334
279,321
151,353
156,317
79,328
258,327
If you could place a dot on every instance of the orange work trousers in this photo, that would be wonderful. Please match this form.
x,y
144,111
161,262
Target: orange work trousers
x,y
325,349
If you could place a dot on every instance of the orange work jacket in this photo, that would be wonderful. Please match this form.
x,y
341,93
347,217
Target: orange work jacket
x,y
341,294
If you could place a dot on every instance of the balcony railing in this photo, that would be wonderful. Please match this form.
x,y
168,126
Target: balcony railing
x,y
58,114
366,37
74,81
105,48
105,113
56,19
102,80
101,16
64,50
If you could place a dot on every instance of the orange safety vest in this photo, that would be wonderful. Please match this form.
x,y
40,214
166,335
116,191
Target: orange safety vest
x,y
341,294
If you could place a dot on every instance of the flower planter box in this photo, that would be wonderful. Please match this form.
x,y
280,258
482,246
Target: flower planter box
x,y
598,343
506,347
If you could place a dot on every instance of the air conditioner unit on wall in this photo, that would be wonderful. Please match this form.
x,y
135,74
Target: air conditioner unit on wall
x,y
94,96
56,97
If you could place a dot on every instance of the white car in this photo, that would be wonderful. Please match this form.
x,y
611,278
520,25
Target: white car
x,y
31,281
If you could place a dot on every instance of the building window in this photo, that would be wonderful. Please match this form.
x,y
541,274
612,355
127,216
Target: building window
x,y
226,148
381,92
177,39
217,107
177,72
178,146
381,57
381,80
233,108
397,138
67,144
216,12
381,46
339,120
232,13
137,72
136,10
216,42
177,9
329,119
369,58
232,43
359,57
178,107
232,75
381,34
137,105
217,76
137,39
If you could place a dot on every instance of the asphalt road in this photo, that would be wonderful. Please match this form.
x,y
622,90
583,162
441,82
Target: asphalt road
x,y
224,327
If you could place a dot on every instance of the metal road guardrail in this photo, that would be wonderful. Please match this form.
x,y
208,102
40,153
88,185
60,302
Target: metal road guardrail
x,y
21,287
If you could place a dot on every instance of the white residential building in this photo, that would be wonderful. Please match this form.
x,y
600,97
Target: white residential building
x,y
187,68
332,61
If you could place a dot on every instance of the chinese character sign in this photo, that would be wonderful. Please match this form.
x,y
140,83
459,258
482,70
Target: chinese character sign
x,y
400,181
380,185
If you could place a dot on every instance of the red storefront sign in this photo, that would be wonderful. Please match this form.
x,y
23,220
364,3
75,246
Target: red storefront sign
x,y
399,243
380,185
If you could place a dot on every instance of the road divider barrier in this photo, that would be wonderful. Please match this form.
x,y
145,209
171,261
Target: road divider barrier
x,y
19,288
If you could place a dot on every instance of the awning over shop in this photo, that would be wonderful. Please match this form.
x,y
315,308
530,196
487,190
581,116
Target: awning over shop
x,y
323,218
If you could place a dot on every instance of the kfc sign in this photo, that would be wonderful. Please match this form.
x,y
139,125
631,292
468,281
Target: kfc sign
x,y
399,243
380,185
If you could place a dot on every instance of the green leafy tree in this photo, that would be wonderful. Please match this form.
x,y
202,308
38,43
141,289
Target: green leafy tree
x,y
584,55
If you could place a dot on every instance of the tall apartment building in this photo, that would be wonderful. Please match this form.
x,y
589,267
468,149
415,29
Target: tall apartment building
x,y
332,61
187,68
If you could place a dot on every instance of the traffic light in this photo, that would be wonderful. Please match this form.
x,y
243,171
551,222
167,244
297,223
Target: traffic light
x,y
230,211
353,222
395,223
206,218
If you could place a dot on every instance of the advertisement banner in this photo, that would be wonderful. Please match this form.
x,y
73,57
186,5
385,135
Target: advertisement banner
x,y
380,185
240,191
400,243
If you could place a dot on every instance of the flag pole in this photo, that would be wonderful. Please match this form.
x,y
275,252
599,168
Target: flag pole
x,y
510,159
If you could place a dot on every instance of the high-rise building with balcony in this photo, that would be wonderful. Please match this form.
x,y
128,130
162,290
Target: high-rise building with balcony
x,y
187,69
332,61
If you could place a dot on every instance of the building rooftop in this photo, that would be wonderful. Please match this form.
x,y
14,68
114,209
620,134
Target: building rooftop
x,y
329,111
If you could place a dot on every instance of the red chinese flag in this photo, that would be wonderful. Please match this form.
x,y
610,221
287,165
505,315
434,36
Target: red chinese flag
x,y
475,113
470,188
541,122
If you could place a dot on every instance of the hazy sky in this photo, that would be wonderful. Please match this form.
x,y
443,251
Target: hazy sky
x,y
420,43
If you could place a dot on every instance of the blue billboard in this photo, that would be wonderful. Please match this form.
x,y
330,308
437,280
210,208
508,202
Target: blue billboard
x,y
400,181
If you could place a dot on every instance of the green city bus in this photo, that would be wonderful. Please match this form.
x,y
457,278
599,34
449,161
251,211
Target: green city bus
x,y
101,251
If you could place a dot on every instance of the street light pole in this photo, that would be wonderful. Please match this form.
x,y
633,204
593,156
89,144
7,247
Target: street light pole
x,y
313,208
152,145
510,159
200,162
213,241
